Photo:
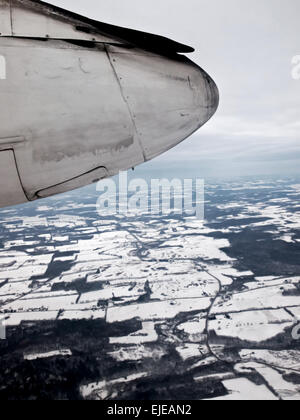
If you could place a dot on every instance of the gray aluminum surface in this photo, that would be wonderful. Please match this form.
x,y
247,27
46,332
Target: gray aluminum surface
x,y
80,103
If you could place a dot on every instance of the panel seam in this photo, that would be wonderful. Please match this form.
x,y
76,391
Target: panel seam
x,y
126,102
19,176
11,17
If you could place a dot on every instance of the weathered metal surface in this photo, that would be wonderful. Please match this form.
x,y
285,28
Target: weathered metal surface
x,y
169,98
35,18
11,191
2,67
80,181
5,18
80,107
68,106
10,142
32,19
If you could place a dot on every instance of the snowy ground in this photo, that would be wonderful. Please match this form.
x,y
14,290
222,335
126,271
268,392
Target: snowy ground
x,y
210,304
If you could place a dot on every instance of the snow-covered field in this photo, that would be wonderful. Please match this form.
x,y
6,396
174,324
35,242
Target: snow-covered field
x,y
225,290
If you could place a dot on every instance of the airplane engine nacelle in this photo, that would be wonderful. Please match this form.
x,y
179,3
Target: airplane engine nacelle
x,y
83,102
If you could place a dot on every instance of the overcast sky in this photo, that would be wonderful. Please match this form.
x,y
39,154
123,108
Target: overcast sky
x,y
247,47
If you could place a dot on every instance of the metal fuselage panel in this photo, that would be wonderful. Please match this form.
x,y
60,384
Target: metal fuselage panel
x,y
5,17
169,97
30,19
67,104
11,191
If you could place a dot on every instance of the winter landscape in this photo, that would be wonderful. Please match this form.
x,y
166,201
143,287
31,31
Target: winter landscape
x,y
150,307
